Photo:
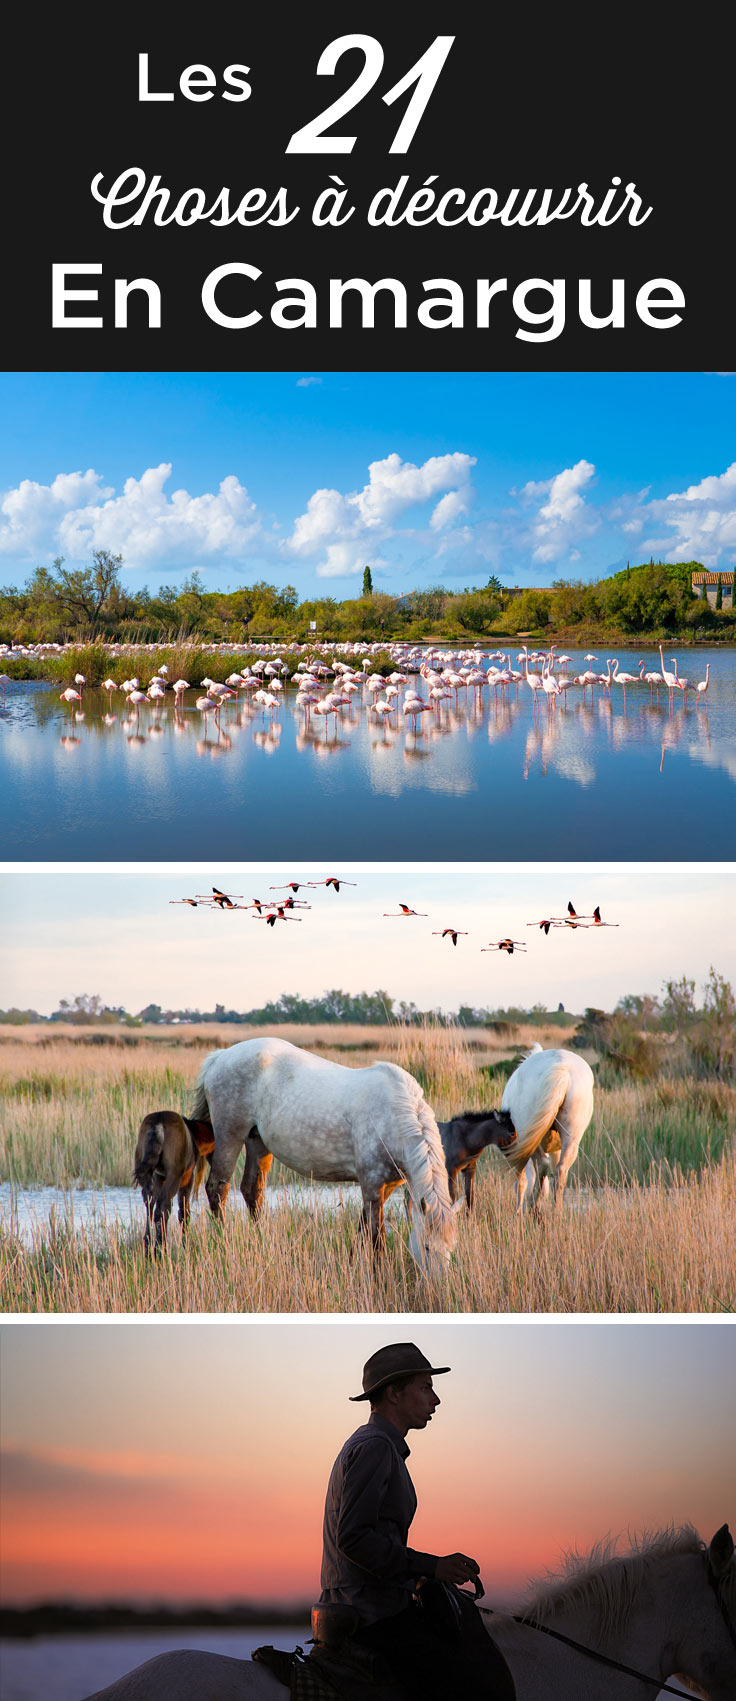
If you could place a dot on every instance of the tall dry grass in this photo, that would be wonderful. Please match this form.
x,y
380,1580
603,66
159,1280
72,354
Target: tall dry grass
x,y
647,1223
71,1099
667,1246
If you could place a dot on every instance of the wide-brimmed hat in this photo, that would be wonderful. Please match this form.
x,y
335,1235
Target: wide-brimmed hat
x,y
389,1364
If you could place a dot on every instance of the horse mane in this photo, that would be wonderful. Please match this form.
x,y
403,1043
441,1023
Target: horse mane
x,y
475,1116
605,1581
423,1153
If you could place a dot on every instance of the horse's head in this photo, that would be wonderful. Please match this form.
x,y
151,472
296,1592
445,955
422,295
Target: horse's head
x,y
706,1653
432,1237
494,1128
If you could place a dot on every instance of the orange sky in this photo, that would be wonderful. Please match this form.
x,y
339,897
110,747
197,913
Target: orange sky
x,y
189,1460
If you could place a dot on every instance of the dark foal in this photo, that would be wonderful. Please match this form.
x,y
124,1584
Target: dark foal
x,y
465,1137
171,1157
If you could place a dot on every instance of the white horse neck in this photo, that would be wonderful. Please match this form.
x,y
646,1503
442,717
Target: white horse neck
x,y
653,1611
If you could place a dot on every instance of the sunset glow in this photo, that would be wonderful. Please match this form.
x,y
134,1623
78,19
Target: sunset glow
x,y
189,1462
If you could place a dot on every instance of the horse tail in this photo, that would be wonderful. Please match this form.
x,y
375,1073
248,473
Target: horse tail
x,y
419,1146
533,1099
200,1111
200,1171
148,1148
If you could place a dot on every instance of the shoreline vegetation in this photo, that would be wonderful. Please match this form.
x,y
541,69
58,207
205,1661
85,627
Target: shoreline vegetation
x,y
56,1618
646,1224
89,609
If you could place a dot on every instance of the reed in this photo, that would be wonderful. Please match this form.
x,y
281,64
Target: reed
x,y
647,1223
70,1109
664,1246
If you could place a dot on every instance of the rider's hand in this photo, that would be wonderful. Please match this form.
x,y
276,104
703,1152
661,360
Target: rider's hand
x,y
456,1568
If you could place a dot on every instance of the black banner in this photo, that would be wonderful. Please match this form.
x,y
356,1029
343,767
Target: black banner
x,y
522,191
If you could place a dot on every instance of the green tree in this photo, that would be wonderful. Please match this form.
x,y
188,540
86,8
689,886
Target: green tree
x,y
367,582
719,594
84,594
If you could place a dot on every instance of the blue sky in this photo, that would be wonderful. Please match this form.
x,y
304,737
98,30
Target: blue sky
x,y
302,478
116,934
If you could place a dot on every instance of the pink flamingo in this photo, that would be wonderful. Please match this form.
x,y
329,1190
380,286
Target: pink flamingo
x,y
702,685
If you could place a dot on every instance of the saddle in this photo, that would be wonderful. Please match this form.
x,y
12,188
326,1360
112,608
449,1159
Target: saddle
x,y
337,1669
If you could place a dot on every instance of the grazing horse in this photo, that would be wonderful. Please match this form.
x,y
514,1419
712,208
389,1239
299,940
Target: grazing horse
x,y
550,1101
170,1158
665,1610
332,1123
465,1137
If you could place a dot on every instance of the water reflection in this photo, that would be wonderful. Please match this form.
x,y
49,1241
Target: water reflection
x,y
460,780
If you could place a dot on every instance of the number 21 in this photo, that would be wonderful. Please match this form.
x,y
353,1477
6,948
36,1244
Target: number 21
x,y
311,138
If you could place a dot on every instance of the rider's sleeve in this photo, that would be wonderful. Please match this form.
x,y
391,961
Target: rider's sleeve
x,y
363,1538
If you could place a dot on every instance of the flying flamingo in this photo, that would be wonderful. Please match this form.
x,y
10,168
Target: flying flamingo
x,y
547,924
453,932
222,900
508,945
332,881
403,910
597,919
276,915
192,901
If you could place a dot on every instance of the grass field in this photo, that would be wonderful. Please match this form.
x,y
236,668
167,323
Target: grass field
x,y
647,1223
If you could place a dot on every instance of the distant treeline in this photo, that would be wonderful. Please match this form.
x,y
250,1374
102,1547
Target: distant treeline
x,y
53,1618
364,1009
60,604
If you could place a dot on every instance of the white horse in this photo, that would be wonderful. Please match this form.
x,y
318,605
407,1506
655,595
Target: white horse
x,y
372,1126
667,1610
550,1101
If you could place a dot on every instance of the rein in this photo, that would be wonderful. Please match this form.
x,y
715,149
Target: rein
x,y
617,1665
602,1659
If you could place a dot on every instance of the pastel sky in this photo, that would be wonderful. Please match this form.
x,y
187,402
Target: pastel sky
x,y
304,478
117,934
191,1459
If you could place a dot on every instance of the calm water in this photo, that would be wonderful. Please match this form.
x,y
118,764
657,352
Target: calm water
x,y
65,1668
29,1211
494,779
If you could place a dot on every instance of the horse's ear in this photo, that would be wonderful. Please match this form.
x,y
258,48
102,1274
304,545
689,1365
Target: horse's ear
x,y
720,1552
423,1205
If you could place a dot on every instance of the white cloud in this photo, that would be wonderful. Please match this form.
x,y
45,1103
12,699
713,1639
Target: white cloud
x,y
696,524
75,515
33,513
304,383
341,527
563,519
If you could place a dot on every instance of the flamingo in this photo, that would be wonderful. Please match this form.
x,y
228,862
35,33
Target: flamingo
x,y
533,680
623,679
702,685
70,696
597,919
508,945
219,900
204,704
669,679
403,910
336,884
192,901
454,934
293,885
5,679
547,924
683,685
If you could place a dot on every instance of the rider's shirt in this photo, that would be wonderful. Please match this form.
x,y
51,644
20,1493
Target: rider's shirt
x,y
370,1503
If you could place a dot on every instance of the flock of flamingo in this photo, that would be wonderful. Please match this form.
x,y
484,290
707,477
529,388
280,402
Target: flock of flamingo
x,y
281,909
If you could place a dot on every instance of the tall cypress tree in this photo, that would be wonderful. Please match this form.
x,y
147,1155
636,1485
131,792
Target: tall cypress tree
x,y
367,582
